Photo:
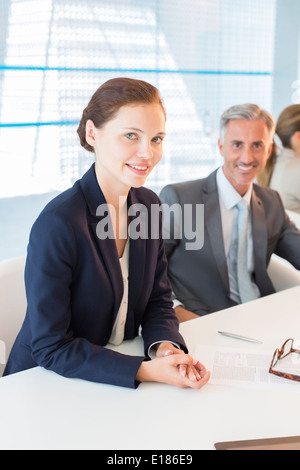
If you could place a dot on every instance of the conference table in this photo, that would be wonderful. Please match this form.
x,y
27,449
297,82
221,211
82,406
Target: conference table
x,y
42,410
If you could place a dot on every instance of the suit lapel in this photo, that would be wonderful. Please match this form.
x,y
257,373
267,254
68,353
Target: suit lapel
x,y
259,230
214,226
107,248
259,233
137,255
108,252
260,243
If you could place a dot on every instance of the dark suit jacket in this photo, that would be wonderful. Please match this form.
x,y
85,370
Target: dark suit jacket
x,y
74,288
200,278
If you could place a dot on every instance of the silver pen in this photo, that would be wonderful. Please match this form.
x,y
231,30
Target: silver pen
x,y
243,338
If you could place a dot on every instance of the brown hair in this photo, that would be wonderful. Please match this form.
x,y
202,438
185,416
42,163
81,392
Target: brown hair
x,y
110,97
287,124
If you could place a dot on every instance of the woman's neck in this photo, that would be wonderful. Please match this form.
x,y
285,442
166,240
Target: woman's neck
x,y
115,193
116,198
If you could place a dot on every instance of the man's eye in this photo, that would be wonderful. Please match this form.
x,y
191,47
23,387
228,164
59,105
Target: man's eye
x,y
258,145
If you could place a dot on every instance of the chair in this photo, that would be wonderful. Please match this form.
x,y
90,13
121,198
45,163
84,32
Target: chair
x,y
12,304
283,274
295,217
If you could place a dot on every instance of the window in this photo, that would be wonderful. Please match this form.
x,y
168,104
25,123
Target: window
x,y
203,55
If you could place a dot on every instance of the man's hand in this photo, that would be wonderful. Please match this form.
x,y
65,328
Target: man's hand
x,y
184,315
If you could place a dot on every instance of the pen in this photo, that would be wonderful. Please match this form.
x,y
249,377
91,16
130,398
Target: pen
x,y
244,338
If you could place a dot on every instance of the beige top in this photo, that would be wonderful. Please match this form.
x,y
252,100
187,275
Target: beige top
x,y
286,179
117,334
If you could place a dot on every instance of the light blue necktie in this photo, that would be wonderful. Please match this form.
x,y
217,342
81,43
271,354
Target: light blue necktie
x,y
246,289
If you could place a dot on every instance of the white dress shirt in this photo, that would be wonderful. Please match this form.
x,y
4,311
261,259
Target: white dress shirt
x,y
117,334
228,199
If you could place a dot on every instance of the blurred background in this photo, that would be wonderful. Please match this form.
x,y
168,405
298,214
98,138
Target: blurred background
x,y
203,55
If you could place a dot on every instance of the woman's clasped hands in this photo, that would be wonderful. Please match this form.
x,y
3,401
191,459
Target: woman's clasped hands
x,y
174,367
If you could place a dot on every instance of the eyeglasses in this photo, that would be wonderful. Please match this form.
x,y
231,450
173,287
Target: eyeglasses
x,y
286,349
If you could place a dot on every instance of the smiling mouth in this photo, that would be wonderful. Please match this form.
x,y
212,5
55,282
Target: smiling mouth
x,y
141,169
246,167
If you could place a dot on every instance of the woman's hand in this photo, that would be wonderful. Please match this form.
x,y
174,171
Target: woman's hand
x,y
192,372
174,367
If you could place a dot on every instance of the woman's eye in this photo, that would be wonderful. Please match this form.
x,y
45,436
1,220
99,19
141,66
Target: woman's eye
x,y
157,140
130,135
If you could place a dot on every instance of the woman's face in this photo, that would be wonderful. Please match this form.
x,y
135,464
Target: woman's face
x,y
129,146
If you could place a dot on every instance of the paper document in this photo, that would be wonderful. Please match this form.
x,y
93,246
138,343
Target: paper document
x,y
247,368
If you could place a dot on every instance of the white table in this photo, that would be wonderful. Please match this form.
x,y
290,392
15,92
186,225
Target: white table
x,y
41,410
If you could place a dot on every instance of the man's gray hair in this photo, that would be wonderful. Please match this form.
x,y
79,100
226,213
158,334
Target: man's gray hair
x,y
247,111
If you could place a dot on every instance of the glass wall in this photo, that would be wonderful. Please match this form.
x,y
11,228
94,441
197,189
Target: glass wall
x,y
203,55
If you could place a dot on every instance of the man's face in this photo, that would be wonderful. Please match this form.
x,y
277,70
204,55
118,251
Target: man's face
x,y
246,148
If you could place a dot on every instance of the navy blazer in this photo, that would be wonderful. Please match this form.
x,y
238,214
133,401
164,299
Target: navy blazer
x,y
74,289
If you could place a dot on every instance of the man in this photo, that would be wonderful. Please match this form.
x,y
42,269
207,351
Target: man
x,y
231,267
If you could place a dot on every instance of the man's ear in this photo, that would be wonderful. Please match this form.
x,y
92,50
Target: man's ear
x,y
220,145
90,132
270,148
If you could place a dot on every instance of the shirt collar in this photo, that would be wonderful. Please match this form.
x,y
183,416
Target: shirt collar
x,y
229,196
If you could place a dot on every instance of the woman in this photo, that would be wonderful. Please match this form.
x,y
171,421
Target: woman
x,y
282,172
88,283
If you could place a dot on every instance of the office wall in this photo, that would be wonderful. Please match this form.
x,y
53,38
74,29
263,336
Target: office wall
x,y
286,83
204,55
